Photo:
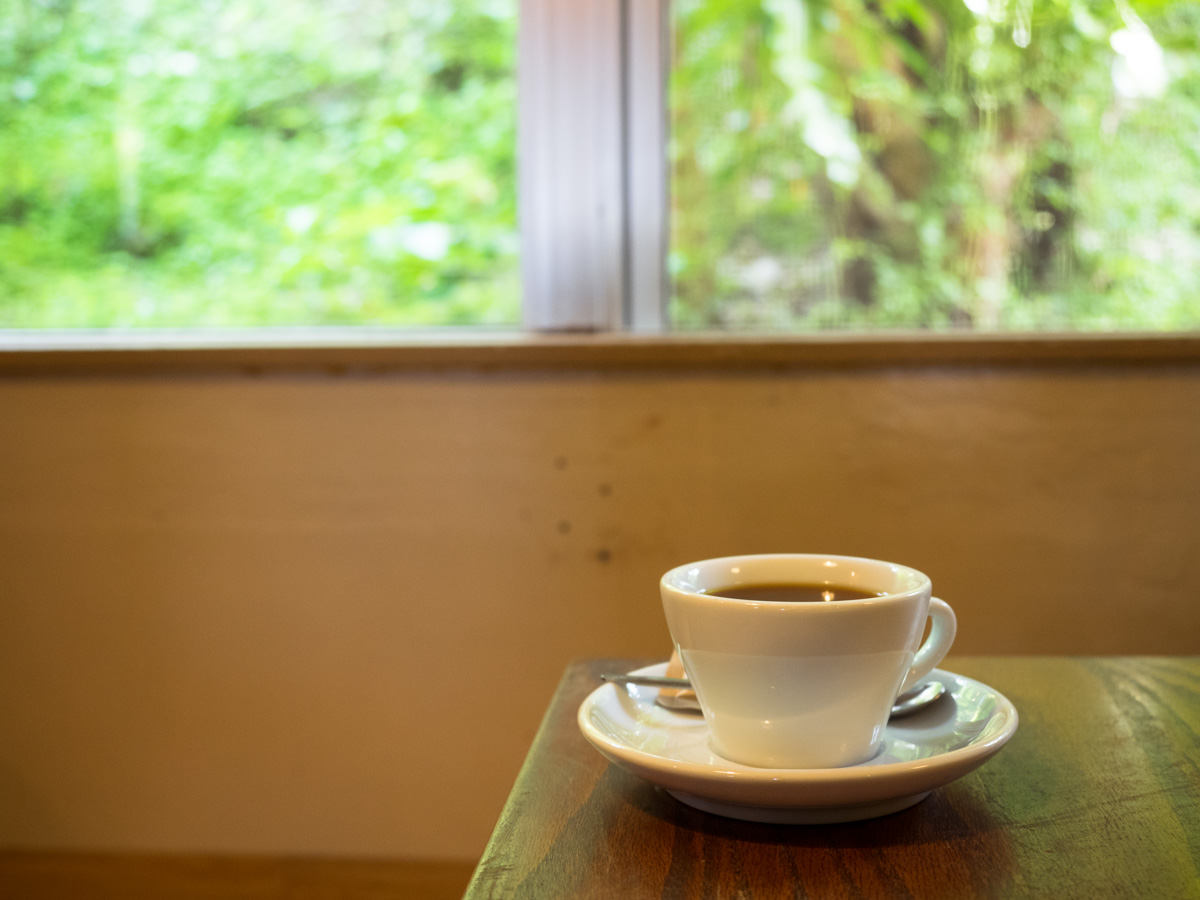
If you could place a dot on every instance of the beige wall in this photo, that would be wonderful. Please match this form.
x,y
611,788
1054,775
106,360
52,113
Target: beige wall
x,y
324,615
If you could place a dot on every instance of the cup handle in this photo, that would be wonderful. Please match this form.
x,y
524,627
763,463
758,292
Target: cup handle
x,y
941,636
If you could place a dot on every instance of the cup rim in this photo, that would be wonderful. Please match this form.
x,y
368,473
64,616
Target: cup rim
x,y
672,580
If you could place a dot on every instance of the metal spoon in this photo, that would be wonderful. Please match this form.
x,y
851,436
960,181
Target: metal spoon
x,y
906,704
917,698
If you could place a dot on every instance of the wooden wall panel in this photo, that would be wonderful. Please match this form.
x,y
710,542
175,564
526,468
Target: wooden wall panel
x,y
323,615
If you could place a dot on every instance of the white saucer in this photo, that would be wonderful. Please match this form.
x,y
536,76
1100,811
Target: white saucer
x,y
928,749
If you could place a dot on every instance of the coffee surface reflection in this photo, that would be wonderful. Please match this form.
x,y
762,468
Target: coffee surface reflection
x,y
793,593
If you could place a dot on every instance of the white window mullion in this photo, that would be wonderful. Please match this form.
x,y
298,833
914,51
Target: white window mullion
x,y
647,66
570,155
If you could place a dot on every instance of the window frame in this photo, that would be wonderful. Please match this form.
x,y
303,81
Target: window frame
x,y
593,209
592,165
368,352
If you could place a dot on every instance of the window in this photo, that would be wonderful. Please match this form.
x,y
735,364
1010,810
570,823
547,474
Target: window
x,y
257,162
945,164
668,164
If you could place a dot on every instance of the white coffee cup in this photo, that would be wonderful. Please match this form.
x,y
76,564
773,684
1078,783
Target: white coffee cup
x,y
802,684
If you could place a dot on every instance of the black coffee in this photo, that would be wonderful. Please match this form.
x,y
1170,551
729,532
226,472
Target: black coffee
x,y
794,593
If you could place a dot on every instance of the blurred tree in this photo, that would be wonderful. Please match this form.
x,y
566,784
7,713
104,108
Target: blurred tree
x,y
936,164
983,164
251,162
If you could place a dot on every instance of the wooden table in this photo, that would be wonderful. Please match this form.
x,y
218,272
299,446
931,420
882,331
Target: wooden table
x,y
1097,795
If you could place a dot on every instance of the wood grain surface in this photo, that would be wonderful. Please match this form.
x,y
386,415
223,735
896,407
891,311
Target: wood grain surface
x,y
1097,795
339,351
126,876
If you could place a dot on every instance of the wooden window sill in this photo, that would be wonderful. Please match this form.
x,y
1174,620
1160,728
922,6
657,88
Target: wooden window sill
x,y
374,351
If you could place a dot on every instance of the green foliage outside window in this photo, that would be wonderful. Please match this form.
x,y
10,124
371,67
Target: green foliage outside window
x,y
982,164
255,162
976,164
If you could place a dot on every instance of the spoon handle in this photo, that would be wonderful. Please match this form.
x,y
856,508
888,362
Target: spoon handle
x,y
647,680
907,703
